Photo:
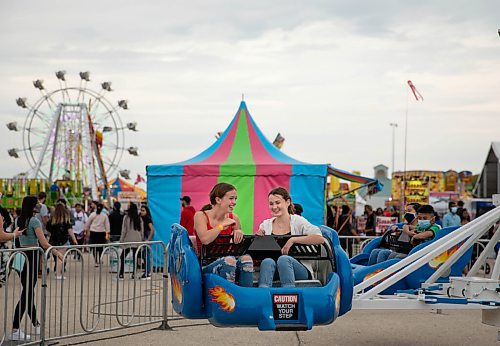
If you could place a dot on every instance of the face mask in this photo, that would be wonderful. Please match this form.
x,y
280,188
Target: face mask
x,y
424,223
409,217
454,210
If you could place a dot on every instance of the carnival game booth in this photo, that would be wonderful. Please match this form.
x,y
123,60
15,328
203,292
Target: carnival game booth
x,y
243,157
224,304
363,269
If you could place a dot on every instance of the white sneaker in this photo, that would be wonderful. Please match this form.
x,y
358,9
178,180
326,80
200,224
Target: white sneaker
x,y
36,330
18,335
60,277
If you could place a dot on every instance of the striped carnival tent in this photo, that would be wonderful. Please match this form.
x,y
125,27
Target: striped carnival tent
x,y
242,156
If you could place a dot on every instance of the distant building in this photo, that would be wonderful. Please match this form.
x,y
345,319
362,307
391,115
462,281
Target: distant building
x,y
488,182
379,199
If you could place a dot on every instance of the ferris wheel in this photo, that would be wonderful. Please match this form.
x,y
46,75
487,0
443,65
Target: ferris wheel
x,y
73,133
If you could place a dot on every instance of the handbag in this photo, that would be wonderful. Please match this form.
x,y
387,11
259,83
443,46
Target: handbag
x,y
19,260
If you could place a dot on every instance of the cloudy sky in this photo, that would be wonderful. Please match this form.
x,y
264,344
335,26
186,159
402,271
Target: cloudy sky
x,y
329,75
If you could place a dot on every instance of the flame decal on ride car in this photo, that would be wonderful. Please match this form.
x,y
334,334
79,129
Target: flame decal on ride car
x,y
223,298
337,301
176,289
437,261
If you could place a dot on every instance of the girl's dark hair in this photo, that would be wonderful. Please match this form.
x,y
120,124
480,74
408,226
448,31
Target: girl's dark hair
x,y
60,215
99,208
219,190
134,217
147,210
29,204
281,191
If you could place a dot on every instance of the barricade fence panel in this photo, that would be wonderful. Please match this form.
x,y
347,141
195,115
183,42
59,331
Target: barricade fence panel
x,y
91,288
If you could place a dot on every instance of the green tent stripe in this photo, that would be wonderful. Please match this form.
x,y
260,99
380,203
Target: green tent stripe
x,y
239,170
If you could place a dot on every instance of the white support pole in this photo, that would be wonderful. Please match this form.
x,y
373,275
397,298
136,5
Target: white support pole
x,y
55,119
424,256
484,254
495,274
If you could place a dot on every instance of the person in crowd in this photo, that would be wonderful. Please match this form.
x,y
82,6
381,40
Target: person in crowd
x,y
5,226
298,209
460,205
395,212
43,215
370,220
379,212
97,231
32,236
64,202
330,216
412,207
284,222
116,222
61,232
438,220
187,215
149,232
80,218
386,212
132,232
216,219
424,230
464,216
451,219
345,228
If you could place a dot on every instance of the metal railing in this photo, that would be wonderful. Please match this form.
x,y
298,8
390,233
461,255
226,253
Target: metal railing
x,y
94,288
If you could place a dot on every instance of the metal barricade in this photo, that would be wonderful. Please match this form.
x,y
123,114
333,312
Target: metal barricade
x,y
94,288
353,245
21,297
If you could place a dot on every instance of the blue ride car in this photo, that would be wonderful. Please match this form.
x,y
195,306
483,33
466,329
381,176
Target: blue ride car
x,y
362,270
224,304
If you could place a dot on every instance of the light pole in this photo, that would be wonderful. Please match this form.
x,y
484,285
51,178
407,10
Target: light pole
x,y
393,125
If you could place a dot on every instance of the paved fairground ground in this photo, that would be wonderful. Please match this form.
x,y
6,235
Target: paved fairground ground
x,y
360,327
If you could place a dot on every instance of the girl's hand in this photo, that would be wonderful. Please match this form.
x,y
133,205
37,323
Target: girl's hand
x,y
17,232
288,245
237,236
260,232
228,222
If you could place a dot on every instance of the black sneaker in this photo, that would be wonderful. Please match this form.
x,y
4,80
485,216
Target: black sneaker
x,y
145,277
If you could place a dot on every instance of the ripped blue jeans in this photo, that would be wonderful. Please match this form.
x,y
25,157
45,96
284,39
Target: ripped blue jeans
x,y
236,271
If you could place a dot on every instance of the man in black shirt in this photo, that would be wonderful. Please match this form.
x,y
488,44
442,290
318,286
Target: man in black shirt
x,y
115,222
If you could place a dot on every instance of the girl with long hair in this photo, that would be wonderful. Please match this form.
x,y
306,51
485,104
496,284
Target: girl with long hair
x,y
132,231
285,222
32,237
60,229
217,218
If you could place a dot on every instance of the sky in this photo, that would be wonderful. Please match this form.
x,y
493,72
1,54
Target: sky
x,y
330,76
